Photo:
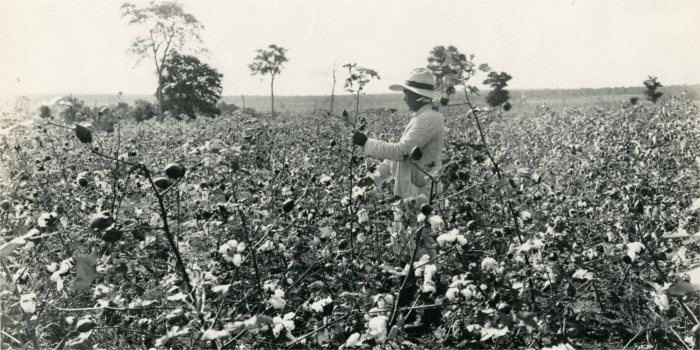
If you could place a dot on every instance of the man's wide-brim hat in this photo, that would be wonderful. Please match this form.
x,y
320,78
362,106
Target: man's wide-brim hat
x,y
420,81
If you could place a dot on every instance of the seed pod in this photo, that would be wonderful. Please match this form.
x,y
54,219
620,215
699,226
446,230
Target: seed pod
x,y
111,236
83,134
174,171
426,209
571,290
333,143
553,257
639,206
416,153
343,244
101,220
288,205
85,325
512,182
5,205
82,181
444,101
672,311
471,225
162,183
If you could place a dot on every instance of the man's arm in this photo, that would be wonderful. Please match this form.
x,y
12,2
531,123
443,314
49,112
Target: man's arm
x,y
420,133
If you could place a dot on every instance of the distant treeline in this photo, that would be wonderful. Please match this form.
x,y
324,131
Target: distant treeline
x,y
603,97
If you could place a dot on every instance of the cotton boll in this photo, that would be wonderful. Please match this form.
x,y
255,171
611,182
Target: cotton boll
x,y
436,222
377,327
461,240
489,264
237,259
452,293
353,340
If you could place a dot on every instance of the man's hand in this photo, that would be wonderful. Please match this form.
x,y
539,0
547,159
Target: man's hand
x,y
413,204
365,181
359,139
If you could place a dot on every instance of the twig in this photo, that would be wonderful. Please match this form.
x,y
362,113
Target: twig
x,y
27,319
408,275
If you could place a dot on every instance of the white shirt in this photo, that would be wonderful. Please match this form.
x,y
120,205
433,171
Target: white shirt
x,y
425,130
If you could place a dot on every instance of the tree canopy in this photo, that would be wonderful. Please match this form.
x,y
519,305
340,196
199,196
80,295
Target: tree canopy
x,y
190,86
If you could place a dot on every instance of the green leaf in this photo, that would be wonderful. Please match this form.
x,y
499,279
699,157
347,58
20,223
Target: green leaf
x,y
683,288
484,67
85,271
528,319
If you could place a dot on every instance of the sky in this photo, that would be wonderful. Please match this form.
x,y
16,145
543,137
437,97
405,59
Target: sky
x,y
79,47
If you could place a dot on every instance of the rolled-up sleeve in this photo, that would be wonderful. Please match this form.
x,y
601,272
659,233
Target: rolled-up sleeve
x,y
420,133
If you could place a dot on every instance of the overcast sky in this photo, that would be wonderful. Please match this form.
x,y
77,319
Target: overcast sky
x,y
71,46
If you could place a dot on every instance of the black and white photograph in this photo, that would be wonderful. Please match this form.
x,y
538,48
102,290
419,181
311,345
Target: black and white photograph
x,y
350,174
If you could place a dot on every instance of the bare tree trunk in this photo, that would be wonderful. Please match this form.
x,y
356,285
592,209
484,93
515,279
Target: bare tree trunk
x,y
243,98
272,92
160,97
333,91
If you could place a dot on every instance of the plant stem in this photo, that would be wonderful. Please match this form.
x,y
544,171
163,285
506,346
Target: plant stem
x,y
27,318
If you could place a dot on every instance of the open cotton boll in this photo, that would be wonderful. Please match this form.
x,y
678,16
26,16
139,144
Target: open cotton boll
x,y
428,286
277,300
421,217
377,327
452,293
353,340
436,222
489,264
240,247
461,240
430,271
237,259
446,238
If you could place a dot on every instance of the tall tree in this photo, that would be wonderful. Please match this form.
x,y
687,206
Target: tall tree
x,y
652,84
167,28
498,82
455,60
269,61
190,86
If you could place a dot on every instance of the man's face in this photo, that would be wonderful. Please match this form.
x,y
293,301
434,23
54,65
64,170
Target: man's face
x,y
411,98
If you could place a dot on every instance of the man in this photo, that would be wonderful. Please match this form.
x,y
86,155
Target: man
x,y
425,130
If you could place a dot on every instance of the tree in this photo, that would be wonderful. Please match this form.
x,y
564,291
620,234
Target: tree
x,y
167,29
190,86
652,84
227,108
269,61
436,64
498,82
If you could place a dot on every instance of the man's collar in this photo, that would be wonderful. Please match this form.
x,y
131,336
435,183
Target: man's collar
x,y
425,107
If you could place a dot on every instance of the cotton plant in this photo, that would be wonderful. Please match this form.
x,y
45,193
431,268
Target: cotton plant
x,y
318,305
451,237
362,216
462,286
434,221
231,251
286,322
490,265
357,192
277,299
